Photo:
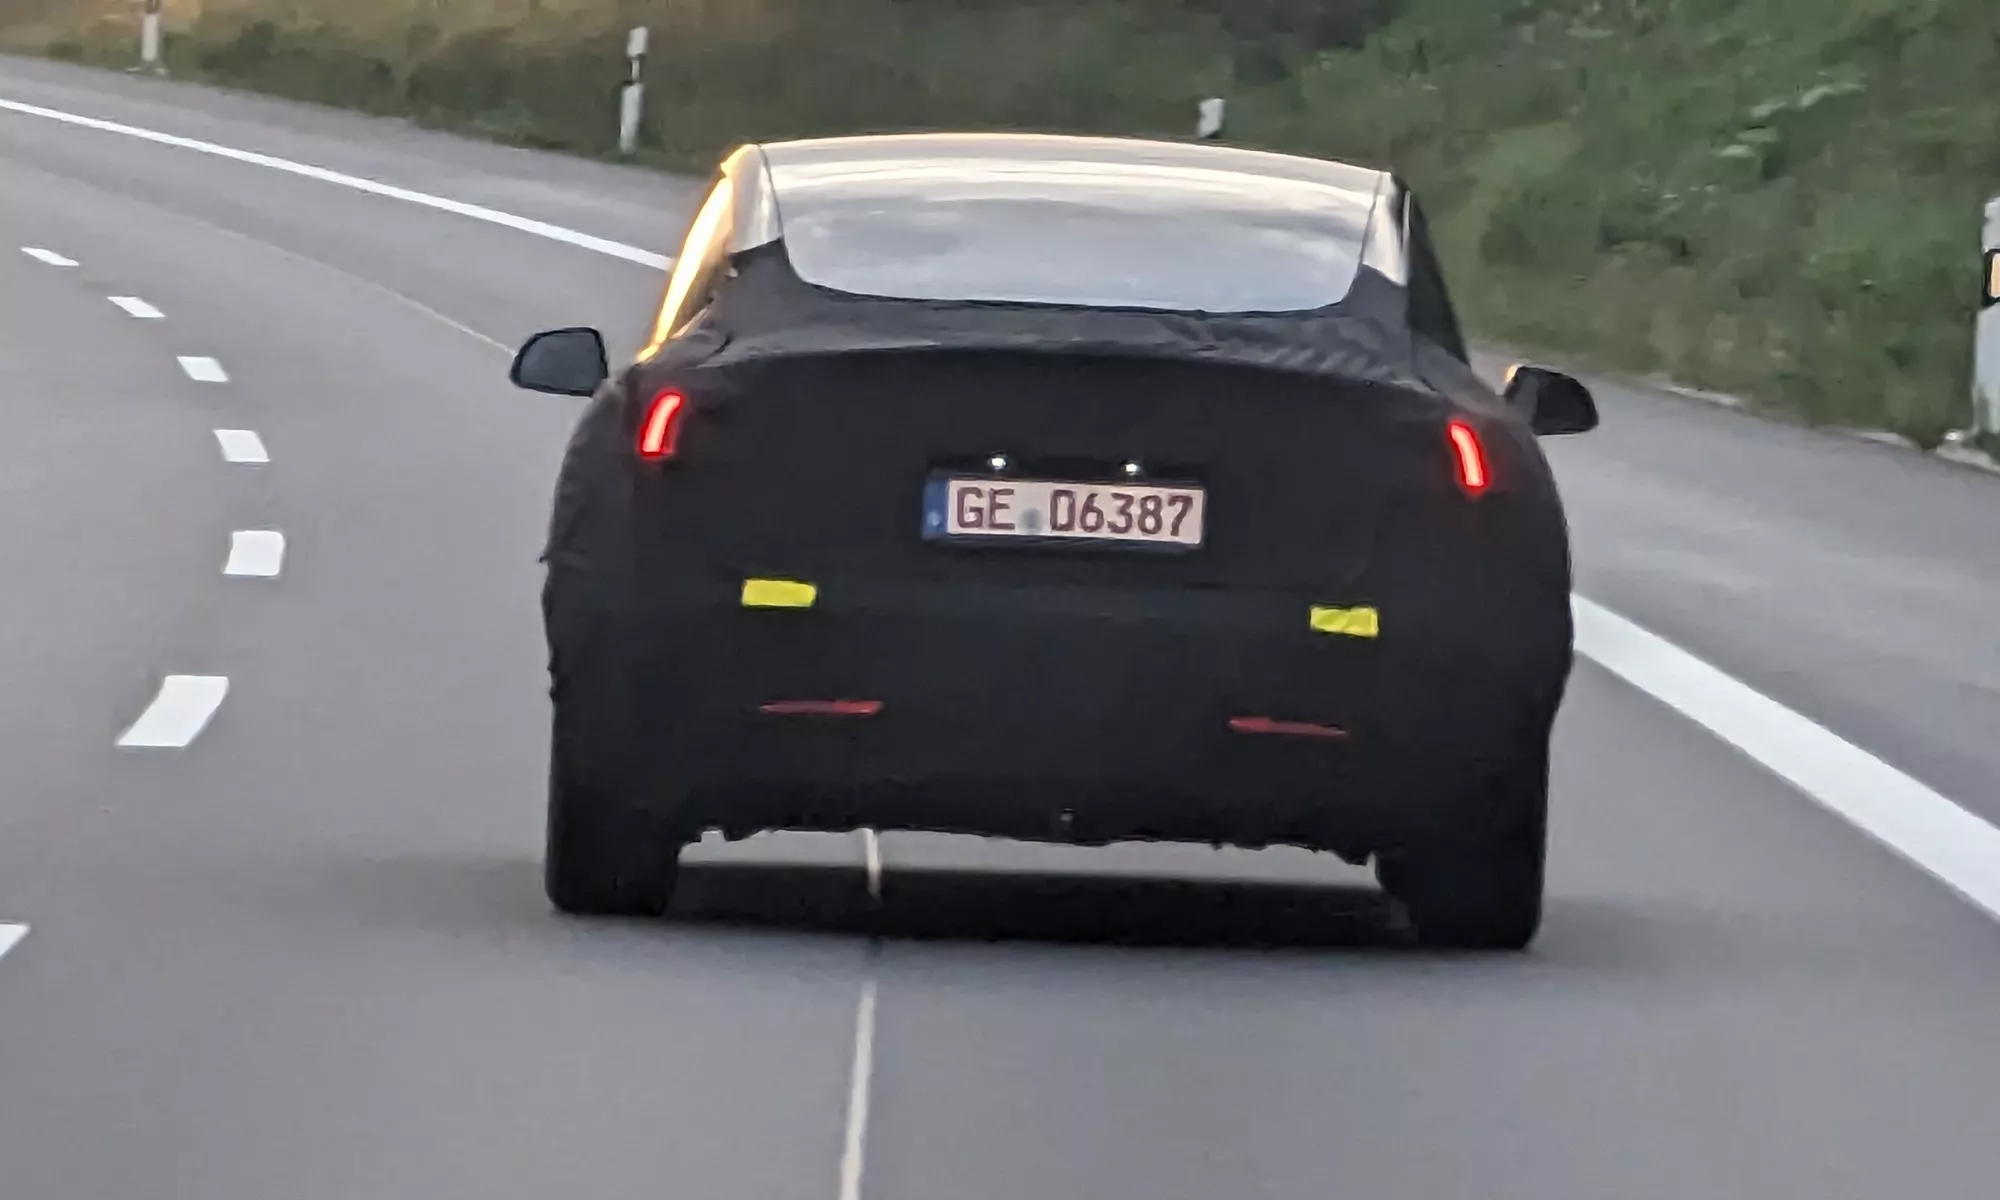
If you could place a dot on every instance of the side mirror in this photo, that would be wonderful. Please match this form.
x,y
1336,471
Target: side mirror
x,y
1552,401
1991,295
562,362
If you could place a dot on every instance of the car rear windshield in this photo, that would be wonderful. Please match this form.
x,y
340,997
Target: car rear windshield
x,y
1084,234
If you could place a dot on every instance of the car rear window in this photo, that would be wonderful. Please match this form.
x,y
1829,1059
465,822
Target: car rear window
x,y
1085,234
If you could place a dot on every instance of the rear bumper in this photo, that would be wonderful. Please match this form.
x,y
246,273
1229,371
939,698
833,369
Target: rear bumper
x,y
1059,714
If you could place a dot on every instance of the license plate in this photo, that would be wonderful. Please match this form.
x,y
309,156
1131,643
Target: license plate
x,y
1164,515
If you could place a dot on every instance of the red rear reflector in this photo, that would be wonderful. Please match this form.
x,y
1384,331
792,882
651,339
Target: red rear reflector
x,y
821,708
663,426
1470,457
1273,727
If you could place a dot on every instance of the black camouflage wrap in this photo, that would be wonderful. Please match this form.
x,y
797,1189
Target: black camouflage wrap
x,y
1071,696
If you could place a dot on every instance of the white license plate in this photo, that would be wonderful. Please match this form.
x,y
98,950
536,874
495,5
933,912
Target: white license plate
x,y
1149,514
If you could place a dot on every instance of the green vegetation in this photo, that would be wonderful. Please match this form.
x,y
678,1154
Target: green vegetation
x,y
1774,197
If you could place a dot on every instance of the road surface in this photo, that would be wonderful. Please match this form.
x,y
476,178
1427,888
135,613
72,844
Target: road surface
x,y
272,741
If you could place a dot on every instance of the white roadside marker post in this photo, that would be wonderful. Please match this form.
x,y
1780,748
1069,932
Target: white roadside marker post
x,y
1208,122
1986,338
149,38
1985,341
632,97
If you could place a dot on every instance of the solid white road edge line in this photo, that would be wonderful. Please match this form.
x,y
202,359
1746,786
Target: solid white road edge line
x,y
1931,831
10,937
859,1081
47,256
135,307
241,446
178,714
203,370
255,552
475,211
1936,834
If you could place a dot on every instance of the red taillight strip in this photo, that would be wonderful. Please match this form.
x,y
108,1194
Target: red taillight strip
x,y
1273,727
820,708
1470,457
662,427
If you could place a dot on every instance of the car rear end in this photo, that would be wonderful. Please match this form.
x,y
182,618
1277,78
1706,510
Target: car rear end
x,y
1085,598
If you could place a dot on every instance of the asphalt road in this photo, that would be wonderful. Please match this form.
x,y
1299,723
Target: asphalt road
x,y
306,955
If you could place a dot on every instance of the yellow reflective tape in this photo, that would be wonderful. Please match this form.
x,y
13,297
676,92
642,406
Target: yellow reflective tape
x,y
778,593
1360,622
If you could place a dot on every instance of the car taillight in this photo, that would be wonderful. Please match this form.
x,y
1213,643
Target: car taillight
x,y
662,426
1468,456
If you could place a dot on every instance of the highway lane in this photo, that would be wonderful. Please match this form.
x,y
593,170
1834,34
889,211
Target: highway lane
x,y
319,962
1733,997
1850,580
309,954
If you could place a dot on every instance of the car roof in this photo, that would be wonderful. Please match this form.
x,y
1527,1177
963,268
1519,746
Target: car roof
x,y
1246,203
791,160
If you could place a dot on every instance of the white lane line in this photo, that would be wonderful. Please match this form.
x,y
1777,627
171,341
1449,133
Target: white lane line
x,y
871,856
135,307
178,714
255,552
10,937
858,1084
48,256
1924,827
1935,833
241,446
203,370
460,208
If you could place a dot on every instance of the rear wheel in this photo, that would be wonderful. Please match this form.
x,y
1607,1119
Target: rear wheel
x,y
1483,892
1470,896
611,851
603,858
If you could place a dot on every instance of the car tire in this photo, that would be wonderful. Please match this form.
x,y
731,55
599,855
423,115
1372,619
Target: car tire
x,y
603,858
611,850
1469,897
1485,892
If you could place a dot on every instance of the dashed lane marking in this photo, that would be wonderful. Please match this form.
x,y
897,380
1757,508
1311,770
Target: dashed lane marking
x,y
137,308
203,370
178,713
241,446
259,553
48,256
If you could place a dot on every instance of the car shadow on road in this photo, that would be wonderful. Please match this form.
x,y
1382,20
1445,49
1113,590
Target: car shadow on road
x,y
989,906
